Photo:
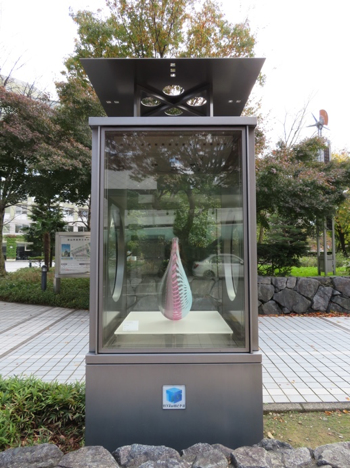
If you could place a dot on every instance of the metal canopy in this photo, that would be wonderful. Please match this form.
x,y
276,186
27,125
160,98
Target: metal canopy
x,y
124,86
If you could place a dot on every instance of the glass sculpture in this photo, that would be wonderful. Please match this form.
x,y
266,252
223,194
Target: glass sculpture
x,y
175,297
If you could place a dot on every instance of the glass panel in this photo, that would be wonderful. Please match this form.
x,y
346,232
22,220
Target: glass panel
x,y
173,241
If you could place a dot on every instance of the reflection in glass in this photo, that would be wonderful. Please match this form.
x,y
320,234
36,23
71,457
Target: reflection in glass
x,y
161,185
115,254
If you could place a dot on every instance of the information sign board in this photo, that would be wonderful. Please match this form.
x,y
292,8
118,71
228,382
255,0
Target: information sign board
x,y
72,254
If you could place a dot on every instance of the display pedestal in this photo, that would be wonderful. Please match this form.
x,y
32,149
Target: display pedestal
x,y
124,400
154,323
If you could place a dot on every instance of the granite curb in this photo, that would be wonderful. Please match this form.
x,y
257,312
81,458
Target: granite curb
x,y
305,407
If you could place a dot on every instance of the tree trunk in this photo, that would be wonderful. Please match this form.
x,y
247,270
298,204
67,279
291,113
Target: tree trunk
x,y
261,234
340,238
2,259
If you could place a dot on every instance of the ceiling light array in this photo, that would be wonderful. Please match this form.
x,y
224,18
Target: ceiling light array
x,y
173,90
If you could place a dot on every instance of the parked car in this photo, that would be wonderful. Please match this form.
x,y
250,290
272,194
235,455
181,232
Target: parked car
x,y
214,265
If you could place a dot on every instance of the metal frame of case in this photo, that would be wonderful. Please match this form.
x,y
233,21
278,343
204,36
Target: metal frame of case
x,y
223,387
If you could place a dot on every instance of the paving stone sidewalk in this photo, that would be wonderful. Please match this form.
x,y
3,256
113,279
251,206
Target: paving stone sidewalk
x,y
305,359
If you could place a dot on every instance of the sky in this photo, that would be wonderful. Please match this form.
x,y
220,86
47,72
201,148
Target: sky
x,y
305,43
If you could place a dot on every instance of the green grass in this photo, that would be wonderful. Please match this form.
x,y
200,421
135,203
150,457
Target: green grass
x,y
312,271
309,429
32,412
24,286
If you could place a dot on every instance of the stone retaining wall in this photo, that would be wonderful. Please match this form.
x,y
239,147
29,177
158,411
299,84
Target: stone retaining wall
x,y
269,453
320,294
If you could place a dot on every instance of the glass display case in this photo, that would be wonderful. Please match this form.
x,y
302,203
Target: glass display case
x,y
173,284
173,192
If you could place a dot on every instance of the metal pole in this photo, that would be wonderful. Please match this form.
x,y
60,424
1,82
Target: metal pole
x,y
333,249
325,246
43,277
318,251
57,285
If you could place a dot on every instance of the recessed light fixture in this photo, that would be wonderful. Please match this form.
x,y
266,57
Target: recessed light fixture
x,y
108,102
238,101
173,90
197,101
150,101
173,64
173,112
173,75
116,102
230,101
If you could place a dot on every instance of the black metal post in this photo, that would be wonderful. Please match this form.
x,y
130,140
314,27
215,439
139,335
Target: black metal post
x,y
43,277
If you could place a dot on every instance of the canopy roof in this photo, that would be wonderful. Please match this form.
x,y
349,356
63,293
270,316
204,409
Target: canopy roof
x,y
158,87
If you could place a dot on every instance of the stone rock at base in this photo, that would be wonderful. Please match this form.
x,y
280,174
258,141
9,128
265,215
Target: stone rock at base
x,y
325,281
122,454
207,456
274,445
291,282
37,456
279,282
264,280
307,287
295,458
135,455
292,300
342,301
91,456
270,308
211,459
191,453
224,450
333,307
322,298
342,285
170,463
265,292
336,455
251,457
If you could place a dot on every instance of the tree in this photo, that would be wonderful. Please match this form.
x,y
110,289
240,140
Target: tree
x,y
46,221
36,154
292,184
285,242
342,216
141,29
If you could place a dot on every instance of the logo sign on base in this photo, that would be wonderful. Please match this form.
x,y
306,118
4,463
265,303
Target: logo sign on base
x,y
174,397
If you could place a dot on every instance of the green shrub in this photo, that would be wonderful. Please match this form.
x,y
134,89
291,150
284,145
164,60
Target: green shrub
x,y
24,286
310,261
33,411
341,261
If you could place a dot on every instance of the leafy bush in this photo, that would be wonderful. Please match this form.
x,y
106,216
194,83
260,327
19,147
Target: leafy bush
x,y
24,286
310,261
32,411
346,265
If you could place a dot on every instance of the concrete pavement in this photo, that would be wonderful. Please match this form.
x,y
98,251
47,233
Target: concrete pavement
x,y
306,360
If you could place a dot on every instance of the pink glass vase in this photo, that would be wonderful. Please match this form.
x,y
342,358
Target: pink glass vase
x,y
174,296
